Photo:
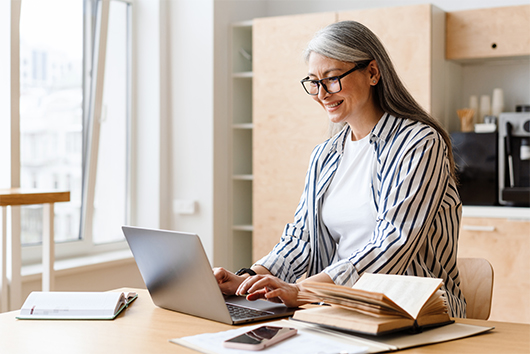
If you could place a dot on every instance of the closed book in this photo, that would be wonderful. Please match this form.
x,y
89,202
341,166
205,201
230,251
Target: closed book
x,y
74,305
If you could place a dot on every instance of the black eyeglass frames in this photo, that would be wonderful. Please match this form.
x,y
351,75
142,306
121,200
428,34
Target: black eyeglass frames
x,y
331,84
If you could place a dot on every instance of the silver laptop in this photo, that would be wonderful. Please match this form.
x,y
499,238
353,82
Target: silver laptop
x,y
179,277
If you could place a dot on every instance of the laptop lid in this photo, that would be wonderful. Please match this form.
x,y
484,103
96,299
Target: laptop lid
x,y
179,277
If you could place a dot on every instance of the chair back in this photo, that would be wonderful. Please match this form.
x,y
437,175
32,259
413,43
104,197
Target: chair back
x,y
476,282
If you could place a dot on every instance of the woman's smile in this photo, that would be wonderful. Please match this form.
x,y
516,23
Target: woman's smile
x,y
332,106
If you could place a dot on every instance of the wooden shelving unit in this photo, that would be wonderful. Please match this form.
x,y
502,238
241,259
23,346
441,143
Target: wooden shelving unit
x,y
241,144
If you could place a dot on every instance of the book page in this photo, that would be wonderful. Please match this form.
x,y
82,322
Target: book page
x,y
334,294
409,292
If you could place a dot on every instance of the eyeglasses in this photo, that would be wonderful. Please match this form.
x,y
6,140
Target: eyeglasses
x,y
331,84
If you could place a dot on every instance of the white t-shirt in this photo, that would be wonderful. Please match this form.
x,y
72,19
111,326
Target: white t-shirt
x,y
347,210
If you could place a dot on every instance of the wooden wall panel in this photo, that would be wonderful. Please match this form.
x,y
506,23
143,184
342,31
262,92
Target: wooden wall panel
x,y
507,248
406,33
288,124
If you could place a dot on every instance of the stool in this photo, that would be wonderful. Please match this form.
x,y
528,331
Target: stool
x,y
22,196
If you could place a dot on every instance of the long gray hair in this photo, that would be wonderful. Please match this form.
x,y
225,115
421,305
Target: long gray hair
x,y
350,41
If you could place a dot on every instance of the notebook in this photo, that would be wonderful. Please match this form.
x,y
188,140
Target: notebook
x,y
178,276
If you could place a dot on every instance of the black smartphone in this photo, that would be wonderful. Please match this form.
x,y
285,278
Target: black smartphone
x,y
260,338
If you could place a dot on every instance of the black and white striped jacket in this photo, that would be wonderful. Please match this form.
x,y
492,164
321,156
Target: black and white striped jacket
x,y
418,212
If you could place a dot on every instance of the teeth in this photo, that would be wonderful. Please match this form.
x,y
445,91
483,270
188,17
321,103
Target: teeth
x,y
334,104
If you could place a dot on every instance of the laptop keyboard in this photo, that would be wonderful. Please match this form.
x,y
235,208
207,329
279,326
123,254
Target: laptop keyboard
x,y
241,313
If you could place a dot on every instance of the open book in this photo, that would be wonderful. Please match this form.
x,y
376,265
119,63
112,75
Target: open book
x,y
377,304
74,305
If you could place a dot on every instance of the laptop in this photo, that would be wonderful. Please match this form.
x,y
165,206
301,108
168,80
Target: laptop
x,y
179,277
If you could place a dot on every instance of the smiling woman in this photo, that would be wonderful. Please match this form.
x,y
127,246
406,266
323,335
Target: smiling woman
x,y
380,195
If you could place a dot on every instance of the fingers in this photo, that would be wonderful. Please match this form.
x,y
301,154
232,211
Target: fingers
x,y
257,295
220,274
228,281
255,283
268,287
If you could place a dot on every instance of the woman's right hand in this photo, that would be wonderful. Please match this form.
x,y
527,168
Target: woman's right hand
x,y
228,281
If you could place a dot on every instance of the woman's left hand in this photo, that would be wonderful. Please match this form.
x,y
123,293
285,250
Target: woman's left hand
x,y
270,288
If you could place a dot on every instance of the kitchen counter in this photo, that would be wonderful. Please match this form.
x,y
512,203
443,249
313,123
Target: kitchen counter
x,y
503,212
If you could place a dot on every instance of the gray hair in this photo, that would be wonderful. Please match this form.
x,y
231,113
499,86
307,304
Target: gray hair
x,y
350,41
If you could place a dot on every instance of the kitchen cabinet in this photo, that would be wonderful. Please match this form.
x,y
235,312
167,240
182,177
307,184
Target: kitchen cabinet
x,y
505,244
288,124
488,33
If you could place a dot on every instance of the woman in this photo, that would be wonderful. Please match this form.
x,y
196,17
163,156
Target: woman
x,y
380,195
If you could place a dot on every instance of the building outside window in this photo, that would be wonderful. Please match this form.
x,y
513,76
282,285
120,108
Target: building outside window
x,y
75,85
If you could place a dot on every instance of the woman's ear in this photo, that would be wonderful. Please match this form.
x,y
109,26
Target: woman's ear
x,y
375,74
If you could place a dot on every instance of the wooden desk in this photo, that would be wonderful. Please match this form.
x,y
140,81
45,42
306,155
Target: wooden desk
x,y
144,328
10,197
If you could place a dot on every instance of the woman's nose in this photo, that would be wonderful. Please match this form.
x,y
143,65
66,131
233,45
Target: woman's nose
x,y
322,93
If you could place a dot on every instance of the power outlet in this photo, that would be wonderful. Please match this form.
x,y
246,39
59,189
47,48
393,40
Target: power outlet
x,y
184,206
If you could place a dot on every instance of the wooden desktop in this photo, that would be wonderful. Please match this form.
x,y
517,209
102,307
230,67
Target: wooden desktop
x,y
145,328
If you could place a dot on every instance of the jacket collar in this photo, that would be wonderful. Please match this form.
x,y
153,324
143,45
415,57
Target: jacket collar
x,y
383,130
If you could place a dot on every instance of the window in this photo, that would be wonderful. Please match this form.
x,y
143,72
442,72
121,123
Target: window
x,y
75,86
51,97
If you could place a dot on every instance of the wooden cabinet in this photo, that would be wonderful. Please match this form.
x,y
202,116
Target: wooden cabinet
x,y
506,245
288,124
488,33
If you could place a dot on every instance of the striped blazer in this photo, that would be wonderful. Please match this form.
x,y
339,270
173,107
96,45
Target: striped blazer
x,y
417,213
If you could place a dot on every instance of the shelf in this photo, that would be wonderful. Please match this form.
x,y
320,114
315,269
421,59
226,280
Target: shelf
x,y
243,75
243,24
249,228
243,126
243,177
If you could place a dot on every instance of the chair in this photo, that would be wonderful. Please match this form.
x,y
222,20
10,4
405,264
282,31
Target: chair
x,y
476,282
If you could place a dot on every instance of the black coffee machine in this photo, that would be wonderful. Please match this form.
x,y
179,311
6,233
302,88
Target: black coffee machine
x,y
475,156
514,159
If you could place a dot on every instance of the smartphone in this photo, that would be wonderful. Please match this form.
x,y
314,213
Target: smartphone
x,y
260,338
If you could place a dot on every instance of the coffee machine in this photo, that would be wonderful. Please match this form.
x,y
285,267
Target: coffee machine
x,y
514,159
475,156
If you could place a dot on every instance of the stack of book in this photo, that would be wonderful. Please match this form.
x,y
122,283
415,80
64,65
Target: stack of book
x,y
377,304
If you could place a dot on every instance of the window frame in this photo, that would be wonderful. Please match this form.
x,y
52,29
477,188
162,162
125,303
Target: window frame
x,y
96,19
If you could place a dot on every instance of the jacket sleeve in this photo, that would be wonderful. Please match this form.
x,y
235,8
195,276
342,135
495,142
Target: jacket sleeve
x,y
412,182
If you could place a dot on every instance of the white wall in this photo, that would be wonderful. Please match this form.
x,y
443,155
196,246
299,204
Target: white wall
x,y
286,7
147,115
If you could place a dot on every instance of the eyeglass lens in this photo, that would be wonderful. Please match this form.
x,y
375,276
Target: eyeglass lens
x,y
331,85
